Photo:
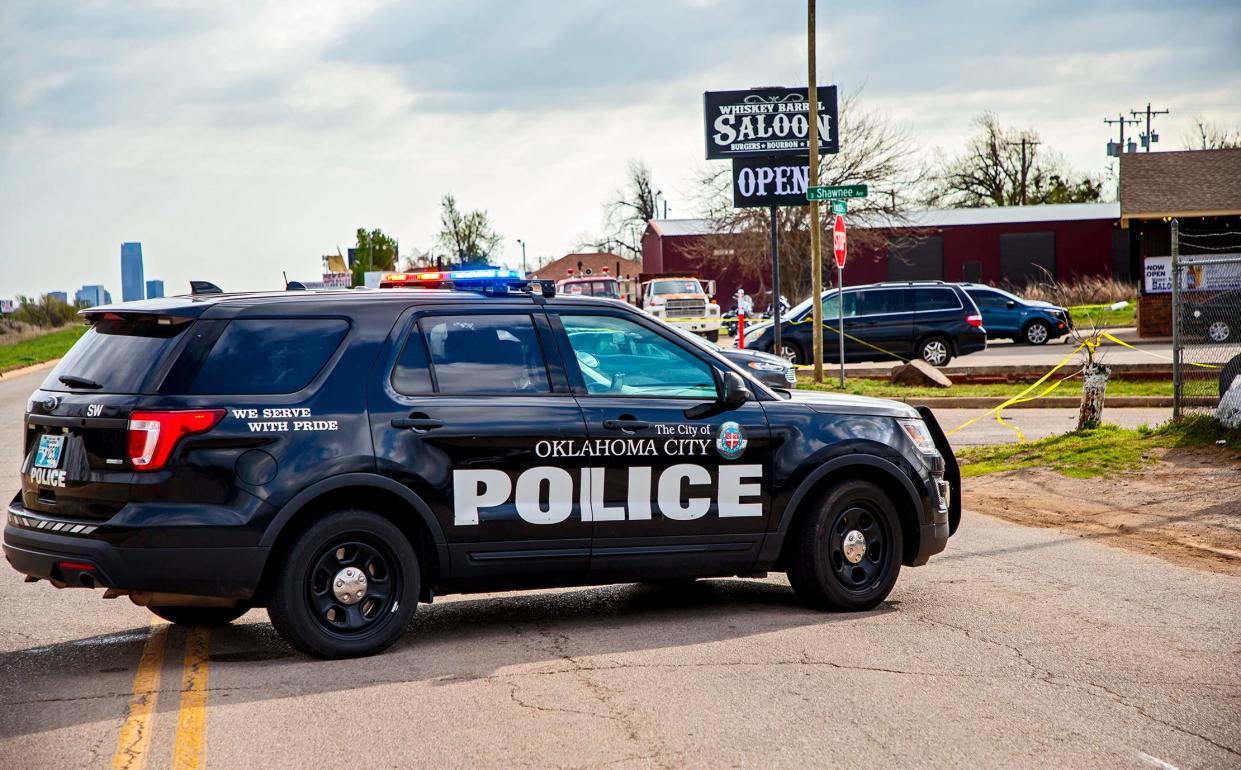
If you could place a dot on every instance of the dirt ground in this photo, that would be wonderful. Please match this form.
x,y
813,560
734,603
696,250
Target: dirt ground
x,y
1186,508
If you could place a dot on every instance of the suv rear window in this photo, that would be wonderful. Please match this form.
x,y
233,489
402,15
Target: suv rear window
x,y
263,356
119,354
936,299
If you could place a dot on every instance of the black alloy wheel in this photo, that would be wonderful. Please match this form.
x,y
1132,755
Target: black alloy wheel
x,y
347,587
1037,333
846,554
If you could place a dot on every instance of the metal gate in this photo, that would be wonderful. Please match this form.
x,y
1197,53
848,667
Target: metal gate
x,y
1206,327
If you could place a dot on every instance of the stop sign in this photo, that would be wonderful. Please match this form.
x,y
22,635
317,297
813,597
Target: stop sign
x,y
838,241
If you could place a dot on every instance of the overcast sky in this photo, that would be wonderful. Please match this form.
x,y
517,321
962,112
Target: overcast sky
x,y
236,138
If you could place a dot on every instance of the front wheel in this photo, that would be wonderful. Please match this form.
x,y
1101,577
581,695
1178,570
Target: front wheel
x,y
199,616
935,351
1219,331
713,335
1037,333
791,352
846,554
347,587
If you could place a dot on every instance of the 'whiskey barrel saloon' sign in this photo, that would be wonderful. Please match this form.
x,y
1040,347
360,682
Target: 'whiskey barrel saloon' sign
x,y
767,121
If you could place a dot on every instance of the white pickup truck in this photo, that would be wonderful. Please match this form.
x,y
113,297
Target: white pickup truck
x,y
682,301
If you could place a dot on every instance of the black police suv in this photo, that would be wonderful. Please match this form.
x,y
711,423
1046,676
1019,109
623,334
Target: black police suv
x,y
931,320
338,457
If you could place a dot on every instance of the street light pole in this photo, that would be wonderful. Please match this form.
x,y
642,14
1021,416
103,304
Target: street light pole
x,y
523,257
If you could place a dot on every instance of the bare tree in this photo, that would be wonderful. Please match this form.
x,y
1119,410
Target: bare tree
x,y
1211,136
626,215
872,150
466,235
1007,167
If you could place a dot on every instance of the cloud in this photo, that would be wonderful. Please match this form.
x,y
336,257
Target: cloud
x,y
237,138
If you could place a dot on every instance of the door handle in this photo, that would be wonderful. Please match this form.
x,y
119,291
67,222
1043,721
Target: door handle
x,y
417,424
626,425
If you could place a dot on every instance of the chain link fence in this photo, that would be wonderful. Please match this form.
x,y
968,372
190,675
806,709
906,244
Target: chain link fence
x,y
1206,329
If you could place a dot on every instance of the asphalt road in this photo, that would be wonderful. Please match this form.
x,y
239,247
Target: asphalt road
x,y
1016,647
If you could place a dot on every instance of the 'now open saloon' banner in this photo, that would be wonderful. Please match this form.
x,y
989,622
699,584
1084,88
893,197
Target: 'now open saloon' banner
x,y
762,182
767,121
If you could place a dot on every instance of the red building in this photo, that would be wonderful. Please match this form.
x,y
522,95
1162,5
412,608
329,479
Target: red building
x,y
1012,244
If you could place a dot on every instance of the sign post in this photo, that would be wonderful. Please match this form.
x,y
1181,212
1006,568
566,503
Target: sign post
x,y
839,247
777,343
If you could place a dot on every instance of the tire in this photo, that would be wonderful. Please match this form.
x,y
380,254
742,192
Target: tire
x,y
330,621
713,335
936,351
199,616
1037,333
822,576
1228,374
791,352
1220,331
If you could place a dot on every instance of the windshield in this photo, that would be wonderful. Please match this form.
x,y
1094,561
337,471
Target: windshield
x,y
679,286
117,355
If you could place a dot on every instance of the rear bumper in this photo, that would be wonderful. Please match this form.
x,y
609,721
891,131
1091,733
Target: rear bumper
x,y
78,560
971,342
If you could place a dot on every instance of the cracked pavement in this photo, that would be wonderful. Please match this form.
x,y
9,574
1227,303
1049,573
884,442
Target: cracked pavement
x,y
1016,647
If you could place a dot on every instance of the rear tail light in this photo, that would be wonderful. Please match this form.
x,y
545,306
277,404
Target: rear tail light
x,y
153,435
974,320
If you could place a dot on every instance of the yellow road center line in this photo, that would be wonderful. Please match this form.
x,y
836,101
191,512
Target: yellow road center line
x,y
135,737
191,738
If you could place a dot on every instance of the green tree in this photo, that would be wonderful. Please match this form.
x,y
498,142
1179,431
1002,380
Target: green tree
x,y
467,236
45,311
374,251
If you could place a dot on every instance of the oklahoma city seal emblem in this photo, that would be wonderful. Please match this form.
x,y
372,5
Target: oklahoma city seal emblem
x,y
731,441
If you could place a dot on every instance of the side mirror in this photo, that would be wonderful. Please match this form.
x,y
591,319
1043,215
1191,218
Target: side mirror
x,y
1011,305
735,392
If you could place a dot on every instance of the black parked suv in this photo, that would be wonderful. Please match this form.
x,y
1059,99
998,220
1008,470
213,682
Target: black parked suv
x,y
338,457
931,320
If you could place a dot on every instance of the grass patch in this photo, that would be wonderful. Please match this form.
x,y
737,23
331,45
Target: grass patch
x,y
1101,316
36,350
885,389
1101,451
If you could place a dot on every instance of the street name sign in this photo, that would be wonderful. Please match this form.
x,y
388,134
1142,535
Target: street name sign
x,y
768,121
835,192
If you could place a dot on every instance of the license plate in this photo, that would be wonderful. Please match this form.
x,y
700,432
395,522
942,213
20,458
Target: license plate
x,y
49,451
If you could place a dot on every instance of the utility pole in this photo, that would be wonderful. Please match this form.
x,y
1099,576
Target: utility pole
x,y
1148,138
523,257
816,236
1122,121
1025,169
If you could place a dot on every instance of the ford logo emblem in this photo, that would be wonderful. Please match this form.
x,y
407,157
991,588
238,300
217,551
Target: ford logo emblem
x,y
50,403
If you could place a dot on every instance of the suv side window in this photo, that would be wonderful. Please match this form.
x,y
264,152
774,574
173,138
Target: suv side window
x,y
988,299
261,356
482,354
926,299
618,357
830,306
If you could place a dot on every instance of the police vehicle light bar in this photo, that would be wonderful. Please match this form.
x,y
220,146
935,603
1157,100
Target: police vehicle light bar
x,y
491,280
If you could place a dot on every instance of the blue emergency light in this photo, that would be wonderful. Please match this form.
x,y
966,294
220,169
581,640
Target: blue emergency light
x,y
489,280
